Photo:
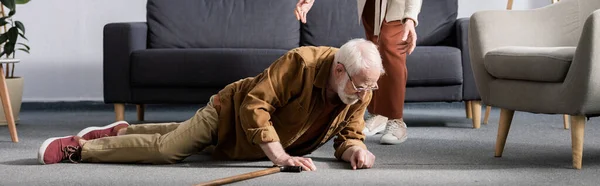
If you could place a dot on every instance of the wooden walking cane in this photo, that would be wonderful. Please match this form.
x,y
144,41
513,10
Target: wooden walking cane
x,y
251,175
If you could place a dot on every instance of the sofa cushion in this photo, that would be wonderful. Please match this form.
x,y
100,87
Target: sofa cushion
x,y
331,23
222,24
436,21
434,66
543,64
206,68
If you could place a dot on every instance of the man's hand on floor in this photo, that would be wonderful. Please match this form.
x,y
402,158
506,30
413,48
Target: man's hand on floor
x,y
287,160
359,158
278,156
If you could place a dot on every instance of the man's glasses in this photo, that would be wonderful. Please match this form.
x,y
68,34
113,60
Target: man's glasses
x,y
358,89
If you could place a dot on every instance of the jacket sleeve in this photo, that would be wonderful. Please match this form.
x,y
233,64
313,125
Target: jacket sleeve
x,y
412,10
351,134
274,87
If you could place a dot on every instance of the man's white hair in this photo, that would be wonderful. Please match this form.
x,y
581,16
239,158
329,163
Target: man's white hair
x,y
359,54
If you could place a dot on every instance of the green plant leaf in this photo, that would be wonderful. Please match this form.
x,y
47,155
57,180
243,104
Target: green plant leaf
x,y
23,44
24,50
9,48
23,36
20,26
10,4
3,21
21,2
13,33
3,38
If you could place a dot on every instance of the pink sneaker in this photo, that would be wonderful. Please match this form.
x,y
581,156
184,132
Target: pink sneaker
x,y
55,150
91,133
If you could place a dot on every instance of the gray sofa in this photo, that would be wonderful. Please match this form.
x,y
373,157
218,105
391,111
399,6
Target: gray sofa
x,y
187,51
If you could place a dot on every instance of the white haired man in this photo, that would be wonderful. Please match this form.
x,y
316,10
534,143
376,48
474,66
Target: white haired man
x,y
305,98
390,24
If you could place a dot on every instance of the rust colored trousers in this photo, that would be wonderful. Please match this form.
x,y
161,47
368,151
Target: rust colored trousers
x,y
388,100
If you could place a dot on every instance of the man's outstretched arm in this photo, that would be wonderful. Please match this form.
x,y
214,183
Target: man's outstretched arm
x,y
349,143
274,88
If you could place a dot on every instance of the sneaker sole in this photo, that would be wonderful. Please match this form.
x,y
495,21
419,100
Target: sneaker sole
x,y
377,130
44,146
393,142
89,129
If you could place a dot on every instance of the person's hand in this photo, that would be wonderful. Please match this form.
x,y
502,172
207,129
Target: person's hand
x,y
286,160
361,159
409,37
302,9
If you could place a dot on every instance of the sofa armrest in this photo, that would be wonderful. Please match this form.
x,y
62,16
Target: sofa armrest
x,y
582,83
120,40
550,26
469,88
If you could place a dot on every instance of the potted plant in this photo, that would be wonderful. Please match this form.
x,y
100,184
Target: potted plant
x,y
12,30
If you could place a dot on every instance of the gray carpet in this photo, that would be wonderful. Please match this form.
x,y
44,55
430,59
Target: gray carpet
x,y
442,149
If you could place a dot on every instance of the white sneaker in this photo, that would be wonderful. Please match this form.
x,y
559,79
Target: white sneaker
x,y
374,125
395,132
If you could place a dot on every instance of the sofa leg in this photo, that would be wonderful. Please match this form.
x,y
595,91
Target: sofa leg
x,y
468,109
506,117
140,112
566,121
476,111
488,109
120,111
577,133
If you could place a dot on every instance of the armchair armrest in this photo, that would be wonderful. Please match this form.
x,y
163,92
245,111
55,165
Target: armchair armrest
x,y
120,40
553,25
469,89
582,83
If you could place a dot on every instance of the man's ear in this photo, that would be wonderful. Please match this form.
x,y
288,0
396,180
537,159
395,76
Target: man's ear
x,y
339,68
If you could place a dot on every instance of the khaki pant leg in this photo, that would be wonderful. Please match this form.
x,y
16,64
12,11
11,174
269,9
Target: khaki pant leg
x,y
187,138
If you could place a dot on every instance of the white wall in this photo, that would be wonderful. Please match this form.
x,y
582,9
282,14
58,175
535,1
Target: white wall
x,y
65,36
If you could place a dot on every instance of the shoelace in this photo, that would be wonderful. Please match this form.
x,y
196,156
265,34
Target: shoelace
x,y
72,153
393,126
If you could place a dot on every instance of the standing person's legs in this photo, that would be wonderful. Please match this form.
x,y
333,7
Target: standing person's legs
x,y
388,100
187,138
375,123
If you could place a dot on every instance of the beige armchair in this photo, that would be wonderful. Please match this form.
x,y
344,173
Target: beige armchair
x,y
544,60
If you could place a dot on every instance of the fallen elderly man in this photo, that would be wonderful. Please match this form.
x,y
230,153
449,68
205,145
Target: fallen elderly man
x,y
304,99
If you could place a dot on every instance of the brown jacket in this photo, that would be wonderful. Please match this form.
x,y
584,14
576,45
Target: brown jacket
x,y
280,104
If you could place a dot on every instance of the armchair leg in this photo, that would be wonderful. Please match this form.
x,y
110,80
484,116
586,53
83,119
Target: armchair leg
x,y
506,117
476,111
468,109
487,114
577,133
566,121
120,111
140,112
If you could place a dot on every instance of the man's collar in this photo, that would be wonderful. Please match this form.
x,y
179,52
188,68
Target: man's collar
x,y
324,72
